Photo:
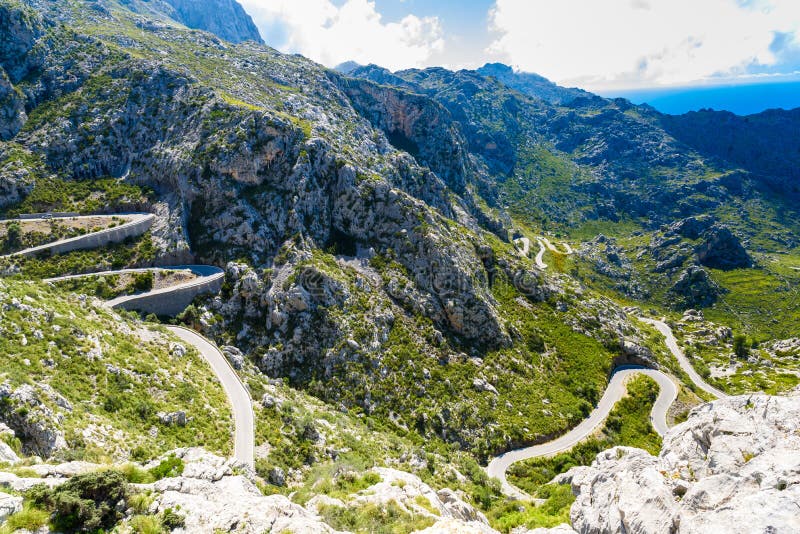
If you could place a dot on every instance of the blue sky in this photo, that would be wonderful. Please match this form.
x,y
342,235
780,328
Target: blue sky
x,y
595,44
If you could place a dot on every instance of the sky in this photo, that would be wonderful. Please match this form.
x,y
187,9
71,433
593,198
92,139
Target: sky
x,y
599,45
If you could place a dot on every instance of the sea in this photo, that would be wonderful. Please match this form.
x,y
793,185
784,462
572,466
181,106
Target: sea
x,y
742,99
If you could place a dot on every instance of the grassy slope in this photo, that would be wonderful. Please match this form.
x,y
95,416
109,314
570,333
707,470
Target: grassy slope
x,y
88,345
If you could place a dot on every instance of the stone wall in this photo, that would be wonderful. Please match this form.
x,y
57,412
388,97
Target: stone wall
x,y
170,301
99,239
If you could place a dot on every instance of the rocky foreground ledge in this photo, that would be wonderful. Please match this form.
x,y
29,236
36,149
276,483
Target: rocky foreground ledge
x,y
732,467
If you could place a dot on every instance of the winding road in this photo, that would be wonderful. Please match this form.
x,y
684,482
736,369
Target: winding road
x,y
616,389
238,396
207,277
242,407
683,361
540,255
135,224
544,245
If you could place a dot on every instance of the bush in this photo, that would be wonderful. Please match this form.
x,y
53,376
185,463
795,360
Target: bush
x,y
146,524
171,467
85,503
135,474
172,520
143,281
13,237
740,347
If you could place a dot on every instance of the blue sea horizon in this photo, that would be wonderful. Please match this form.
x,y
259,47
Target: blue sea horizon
x,y
742,99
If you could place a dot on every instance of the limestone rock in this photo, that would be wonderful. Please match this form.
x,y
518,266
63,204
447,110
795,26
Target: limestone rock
x,y
405,488
224,18
12,108
622,491
234,356
733,466
454,526
482,385
172,418
34,423
722,250
23,484
214,500
9,505
695,288
560,529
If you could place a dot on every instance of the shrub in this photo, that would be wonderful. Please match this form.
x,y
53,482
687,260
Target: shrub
x,y
135,474
740,347
13,237
85,503
171,467
143,281
172,519
146,524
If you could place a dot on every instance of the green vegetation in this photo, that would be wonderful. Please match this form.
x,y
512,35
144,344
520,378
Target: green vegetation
x,y
114,374
82,196
109,286
374,519
628,424
30,518
552,512
169,467
13,238
129,253
85,503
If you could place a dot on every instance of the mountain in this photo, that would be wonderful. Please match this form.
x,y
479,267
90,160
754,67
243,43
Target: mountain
x,y
531,84
226,19
765,144
422,269
347,67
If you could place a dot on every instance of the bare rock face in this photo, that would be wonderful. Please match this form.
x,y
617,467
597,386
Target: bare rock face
x,y
722,250
12,108
408,490
32,421
695,288
733,466
215,500
7,454
224,18
9,505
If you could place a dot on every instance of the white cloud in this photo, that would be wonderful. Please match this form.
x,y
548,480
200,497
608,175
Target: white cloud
x,y
331,34
606,43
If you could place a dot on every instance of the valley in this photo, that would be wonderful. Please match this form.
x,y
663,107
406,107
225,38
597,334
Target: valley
x,y
268,296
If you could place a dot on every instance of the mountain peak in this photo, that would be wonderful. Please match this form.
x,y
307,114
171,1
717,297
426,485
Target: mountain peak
x,y
226,19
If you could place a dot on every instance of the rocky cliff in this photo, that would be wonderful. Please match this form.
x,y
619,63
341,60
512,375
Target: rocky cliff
x,y
731,467
226,19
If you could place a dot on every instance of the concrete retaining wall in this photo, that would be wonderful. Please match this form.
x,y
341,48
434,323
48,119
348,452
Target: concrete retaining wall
x,y
169,301
99,239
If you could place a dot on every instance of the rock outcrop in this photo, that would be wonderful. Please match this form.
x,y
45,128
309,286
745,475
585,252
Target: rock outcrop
x,y
214,499
733,466
31,419
7,454
722,250
9,505
695,289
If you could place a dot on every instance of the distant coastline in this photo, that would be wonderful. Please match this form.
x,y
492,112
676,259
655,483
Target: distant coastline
x,y
739,99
